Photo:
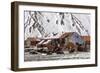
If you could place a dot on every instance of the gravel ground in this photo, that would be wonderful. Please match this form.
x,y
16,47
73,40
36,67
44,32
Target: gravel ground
x,y
54,56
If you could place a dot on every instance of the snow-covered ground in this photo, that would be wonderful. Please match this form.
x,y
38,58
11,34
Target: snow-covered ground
x,y
66,56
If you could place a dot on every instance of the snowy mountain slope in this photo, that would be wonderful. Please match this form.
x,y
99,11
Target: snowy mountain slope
x,y
42,24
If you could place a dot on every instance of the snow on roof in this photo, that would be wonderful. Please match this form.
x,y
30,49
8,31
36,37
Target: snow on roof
x,y
66,34
41,42
47,42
